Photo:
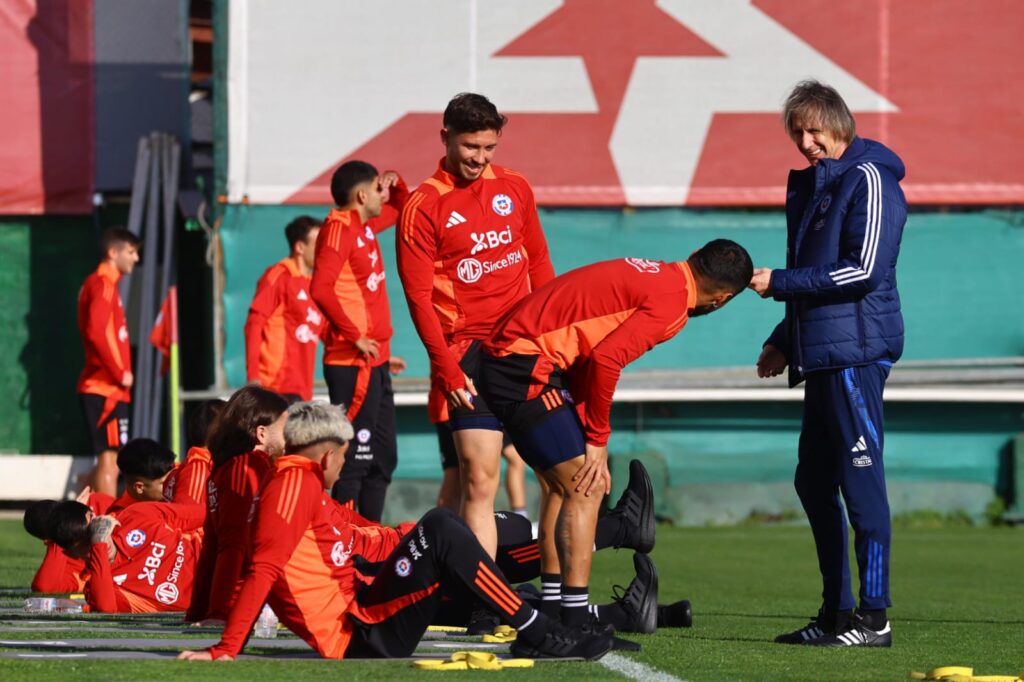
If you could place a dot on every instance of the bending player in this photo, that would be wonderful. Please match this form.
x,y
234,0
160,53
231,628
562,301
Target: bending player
x,y
550,369
301,567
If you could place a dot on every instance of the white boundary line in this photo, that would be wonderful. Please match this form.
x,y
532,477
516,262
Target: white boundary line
x,y
635,670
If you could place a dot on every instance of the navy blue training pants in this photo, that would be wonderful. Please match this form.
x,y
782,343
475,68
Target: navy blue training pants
x,y
841,452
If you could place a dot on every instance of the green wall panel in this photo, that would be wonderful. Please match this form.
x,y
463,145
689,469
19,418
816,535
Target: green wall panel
x,y
957,278
717,462
45,261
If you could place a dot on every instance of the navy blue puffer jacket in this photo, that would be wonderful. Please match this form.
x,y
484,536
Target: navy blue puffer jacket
x,y
845,221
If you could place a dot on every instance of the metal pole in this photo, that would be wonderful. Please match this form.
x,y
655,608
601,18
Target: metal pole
x,y
175,398
171,164
144,375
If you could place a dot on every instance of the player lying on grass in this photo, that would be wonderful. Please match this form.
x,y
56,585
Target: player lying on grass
x,y
60,573
186,484
144,463
301,565
139,562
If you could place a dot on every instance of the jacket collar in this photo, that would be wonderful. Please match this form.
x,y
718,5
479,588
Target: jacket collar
x,y
286,462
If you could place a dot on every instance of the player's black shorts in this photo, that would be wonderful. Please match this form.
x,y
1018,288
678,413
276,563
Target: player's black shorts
x,y
481,416
446,444
112,432
545,429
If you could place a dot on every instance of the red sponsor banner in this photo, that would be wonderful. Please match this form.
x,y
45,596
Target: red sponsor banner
x,y
46,106
681,99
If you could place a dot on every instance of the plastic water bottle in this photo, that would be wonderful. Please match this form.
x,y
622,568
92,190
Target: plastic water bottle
x,y
52,605
266,624
40,604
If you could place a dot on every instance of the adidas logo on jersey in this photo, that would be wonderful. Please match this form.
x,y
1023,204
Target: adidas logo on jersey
x,y
303,296
859,446
454,219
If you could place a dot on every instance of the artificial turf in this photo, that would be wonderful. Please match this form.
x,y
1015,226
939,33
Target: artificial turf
x,y
958,595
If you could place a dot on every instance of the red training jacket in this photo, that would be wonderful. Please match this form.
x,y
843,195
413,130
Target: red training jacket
x,y
282,330
156,549
104,330
467,251
592,322
303,542
348,281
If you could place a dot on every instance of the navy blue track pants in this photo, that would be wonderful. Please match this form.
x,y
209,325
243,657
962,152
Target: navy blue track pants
x,y
841,452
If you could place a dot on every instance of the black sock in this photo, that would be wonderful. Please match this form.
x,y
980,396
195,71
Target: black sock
x,y
574,605
612,614
874,618
610,531
551,594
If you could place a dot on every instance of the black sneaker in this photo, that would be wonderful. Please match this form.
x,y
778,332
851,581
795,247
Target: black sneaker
x,y
482,622
636,507
561,642
855,632
640,599
675,615
595,627
822,625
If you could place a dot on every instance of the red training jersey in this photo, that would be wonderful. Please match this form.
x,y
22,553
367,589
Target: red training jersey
x,y
467,251
186,484
592,322
282,330
231,491
348,281
303,542
104,331
156,547
120,504
59,572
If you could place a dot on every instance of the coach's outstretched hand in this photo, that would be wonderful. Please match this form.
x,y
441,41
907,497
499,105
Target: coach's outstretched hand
x,y
200,656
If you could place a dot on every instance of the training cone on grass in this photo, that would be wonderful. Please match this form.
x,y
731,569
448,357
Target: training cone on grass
x,y
503,634
473,660
959,673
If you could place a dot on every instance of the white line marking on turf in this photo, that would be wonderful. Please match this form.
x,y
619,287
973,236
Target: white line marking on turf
x,y
635,670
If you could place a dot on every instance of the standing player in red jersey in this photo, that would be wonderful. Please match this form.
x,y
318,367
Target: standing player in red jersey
x,y
104,386
349,286
302,567
248,433
283,326
470,245
550,369
186,484
141,562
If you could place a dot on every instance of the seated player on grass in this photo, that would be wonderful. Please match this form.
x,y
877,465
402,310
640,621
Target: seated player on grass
x,y
144,464
142,561
243,439
186,484
301,566
60,573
